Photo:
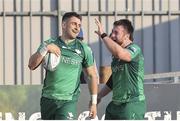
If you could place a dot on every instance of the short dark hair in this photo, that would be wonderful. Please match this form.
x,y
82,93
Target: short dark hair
x,y
71,14
127,25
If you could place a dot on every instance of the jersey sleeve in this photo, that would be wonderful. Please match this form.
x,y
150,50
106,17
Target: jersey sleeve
x,y
44,43
88,57
134,51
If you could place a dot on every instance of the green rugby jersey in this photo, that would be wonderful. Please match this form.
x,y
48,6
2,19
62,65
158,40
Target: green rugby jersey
x,y
64,82
128,77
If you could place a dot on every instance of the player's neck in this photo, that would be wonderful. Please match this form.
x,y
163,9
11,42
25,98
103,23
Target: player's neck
x,y
67,40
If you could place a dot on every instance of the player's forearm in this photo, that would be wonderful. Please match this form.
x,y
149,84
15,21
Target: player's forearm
x,y
93,87
35,60
104,91
113,47
93,84
116,49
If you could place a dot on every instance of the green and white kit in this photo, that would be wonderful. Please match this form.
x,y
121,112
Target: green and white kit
x,y
62,86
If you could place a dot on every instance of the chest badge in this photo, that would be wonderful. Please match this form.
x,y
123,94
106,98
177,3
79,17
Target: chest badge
x,y
78,51
64,47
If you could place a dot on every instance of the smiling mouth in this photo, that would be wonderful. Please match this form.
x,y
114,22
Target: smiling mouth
x,y
75,31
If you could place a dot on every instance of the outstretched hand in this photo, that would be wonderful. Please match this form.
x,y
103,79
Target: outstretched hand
x,y
100,30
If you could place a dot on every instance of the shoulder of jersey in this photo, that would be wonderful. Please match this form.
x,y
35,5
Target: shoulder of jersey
x,y
134,48
50,40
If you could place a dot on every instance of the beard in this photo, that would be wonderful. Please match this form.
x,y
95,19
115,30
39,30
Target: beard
x,y
70,34
73,33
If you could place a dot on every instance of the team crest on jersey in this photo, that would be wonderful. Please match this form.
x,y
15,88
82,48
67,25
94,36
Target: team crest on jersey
x,y
78,51
64,47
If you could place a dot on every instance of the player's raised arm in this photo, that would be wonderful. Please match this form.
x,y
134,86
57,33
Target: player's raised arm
x,y
115,44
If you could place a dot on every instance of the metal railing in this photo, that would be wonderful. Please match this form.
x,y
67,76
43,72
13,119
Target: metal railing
x,y
93,13
174,75
58,12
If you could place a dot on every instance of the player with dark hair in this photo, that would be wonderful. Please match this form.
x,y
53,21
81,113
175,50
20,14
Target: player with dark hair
x,y
126,81
62,86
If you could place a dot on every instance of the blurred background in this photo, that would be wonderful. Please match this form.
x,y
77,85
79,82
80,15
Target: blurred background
x,y
24,24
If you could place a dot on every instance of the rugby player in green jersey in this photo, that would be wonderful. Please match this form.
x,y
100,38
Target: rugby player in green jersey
x,y
126,81
62,86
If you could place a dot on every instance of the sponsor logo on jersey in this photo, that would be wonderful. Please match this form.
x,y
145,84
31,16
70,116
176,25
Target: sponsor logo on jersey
x,y
71,61
117,68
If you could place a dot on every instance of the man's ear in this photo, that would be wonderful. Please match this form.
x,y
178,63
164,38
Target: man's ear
x,y
127,36
63,24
